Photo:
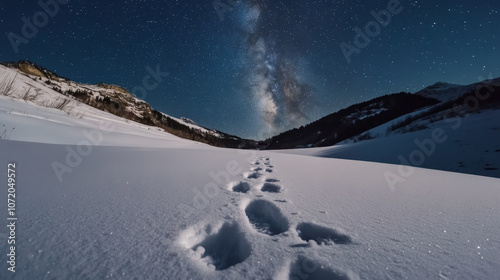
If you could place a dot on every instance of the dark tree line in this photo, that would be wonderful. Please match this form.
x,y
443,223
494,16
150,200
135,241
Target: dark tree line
x,y
341,125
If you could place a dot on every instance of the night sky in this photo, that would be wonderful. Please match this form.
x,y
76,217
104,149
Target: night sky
x,y
254,68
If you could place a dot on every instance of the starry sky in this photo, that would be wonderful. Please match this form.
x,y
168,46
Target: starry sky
x,y
255,68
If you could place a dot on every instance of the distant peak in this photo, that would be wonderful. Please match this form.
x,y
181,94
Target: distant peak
x,y
443,84
443,91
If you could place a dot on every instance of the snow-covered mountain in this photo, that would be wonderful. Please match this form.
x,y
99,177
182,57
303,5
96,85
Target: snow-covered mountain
x,y
444,91
448,92
467,118
397,113
350,122
98,196
35,84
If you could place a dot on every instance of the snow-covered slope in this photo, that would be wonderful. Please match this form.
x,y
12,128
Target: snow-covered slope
x,y
131,213
22,121
468,117
27,121
132,208
470,146
37,85
350,122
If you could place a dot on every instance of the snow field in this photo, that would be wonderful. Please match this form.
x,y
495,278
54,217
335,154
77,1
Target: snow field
x,y
219,246
146,204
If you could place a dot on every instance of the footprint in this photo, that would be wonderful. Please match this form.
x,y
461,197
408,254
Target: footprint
x,y
241,187
271,187
220,248
305,268
321,234
252,175
266,217
272,180
269,170
257,169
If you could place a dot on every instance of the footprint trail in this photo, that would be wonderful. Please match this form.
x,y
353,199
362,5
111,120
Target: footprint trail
x,y
224,246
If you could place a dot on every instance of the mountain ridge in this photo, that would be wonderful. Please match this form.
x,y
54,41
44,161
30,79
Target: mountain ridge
x,y
354,122
449,100
119,101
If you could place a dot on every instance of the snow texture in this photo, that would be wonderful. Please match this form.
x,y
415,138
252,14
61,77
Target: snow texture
x,y
139,203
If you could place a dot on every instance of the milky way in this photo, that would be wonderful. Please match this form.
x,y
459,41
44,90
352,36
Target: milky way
x,y
273,75
259,67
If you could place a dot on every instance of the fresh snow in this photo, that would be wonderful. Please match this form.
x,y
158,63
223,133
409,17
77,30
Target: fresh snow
x,y
46,96
139,203
471,146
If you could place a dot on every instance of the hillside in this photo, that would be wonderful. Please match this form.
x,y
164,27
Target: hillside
x,y
396,113
101,197
35,84
459,134
350,122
